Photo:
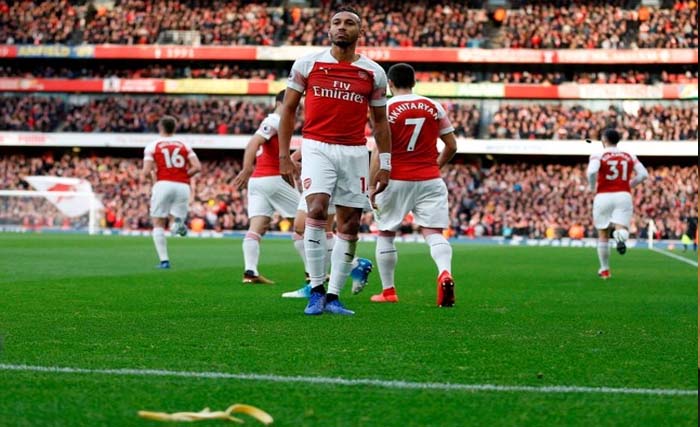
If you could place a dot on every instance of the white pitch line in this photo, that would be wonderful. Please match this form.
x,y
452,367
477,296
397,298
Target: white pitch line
x,y
354,382
672,255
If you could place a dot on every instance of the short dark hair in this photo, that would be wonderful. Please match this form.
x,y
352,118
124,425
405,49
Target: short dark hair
x,y
348,9
402,75
168,123
612,136
280,96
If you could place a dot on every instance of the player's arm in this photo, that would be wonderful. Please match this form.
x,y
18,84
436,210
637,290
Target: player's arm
x,y
382,139
195,164
288,113
592,171
148,169
450,149
248,161
640,174
373,167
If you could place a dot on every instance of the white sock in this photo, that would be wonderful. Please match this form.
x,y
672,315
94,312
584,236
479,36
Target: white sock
x,y
299,246
387,257
441,251
315,249
251,251
341,264
621,235
603,254
161,245
330,243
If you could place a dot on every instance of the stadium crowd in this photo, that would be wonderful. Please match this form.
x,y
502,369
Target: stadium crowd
x,y
428,23
539,201
219,115
241,71
591,25
557,121
214,115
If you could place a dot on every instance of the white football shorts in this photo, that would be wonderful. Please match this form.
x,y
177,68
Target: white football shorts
x,y
170,198
270,194
426,199
612,208
340,171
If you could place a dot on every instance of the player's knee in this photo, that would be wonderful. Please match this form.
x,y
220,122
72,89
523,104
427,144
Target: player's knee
x,y
350,226
317,210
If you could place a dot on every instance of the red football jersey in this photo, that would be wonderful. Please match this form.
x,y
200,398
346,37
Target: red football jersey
x,y
416,124
338,96
268,161
615,170
171,158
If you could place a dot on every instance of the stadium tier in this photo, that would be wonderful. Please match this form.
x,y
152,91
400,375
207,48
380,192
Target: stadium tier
x,y
510,199
585,25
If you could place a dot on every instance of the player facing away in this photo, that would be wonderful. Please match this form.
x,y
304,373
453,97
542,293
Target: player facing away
x,y
340,87
268,192
416,186
612,170
173,163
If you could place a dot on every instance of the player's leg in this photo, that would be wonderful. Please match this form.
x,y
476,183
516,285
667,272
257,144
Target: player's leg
x,y
160,210
260,210
348,225
432,214
251,250
602,215
179,208
604,253
298,237
330,237
318,177
392,206
621,218
351,165
315,250
160,242
441,252
387,258
361,267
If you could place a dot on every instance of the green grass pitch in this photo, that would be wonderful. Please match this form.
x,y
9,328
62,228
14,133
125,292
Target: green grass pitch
x,y
524,317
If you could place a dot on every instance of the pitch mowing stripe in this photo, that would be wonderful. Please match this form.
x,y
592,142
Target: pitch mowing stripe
x,y
353,382
678,257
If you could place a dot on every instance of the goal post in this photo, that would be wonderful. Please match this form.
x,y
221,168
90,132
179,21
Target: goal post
x,y
50,209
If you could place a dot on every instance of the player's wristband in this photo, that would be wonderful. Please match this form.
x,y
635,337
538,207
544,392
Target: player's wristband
x,y
385,161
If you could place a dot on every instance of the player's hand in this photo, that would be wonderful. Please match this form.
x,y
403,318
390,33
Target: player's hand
x,y
288,170
241,180
382,180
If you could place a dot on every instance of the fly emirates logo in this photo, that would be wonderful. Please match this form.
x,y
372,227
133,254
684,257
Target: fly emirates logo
x,y
340,90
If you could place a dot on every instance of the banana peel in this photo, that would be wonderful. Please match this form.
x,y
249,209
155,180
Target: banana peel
x,y
206,414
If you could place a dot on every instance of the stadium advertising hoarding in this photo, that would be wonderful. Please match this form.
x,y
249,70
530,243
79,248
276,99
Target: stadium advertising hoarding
x,y
380,54
434,89
239,142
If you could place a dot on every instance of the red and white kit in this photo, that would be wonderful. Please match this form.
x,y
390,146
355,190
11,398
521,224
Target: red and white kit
x,y
334,156
267,191
171,192
613,201
416,124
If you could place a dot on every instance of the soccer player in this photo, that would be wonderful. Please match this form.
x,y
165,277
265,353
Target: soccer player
x,y
268,192
416,186
173,162
340,86
612,205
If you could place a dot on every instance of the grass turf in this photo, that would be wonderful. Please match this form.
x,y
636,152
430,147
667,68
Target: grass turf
x,y
524,316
